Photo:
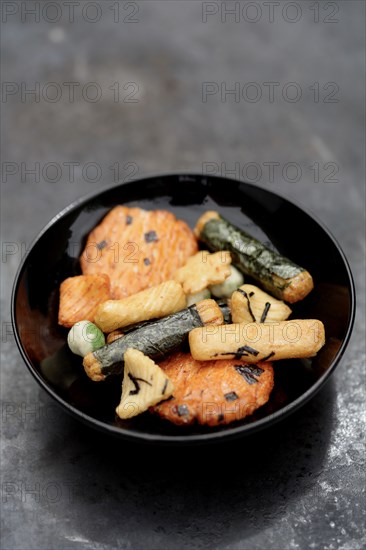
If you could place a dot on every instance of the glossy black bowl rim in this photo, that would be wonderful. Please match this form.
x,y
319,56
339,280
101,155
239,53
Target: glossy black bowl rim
x,y
235,431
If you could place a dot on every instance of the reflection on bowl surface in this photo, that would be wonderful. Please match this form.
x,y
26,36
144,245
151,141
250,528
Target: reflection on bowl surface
x,y
265,215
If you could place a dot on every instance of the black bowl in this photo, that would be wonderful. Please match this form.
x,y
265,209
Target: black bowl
x,y
267,216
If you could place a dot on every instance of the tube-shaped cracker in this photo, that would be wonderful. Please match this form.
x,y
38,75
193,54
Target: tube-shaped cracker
x,y
258,341
277,274
156,339
250,304
152,303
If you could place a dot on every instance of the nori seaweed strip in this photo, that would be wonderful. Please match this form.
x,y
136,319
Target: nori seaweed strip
x,y
268,356
151,237
250,350
254,369
243,351
247,371
237,354
249,255
154,338
165,386
265,311
101,245
182,410
248,377
225,310
135,382
231,396
135,326
249,306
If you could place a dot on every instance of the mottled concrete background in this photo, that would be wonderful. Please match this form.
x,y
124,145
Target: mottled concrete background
x,y
145,89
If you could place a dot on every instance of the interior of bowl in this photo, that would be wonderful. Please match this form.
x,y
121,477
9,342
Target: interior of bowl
x,y
268,217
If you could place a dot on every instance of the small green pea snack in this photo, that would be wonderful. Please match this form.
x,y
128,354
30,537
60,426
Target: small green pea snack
x,y
85,337
225,289
198,296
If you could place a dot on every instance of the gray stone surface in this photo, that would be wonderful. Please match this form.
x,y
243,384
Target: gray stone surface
x,y
299,486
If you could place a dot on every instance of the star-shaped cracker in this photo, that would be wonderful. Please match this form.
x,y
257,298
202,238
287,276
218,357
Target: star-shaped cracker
x,y
204,269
